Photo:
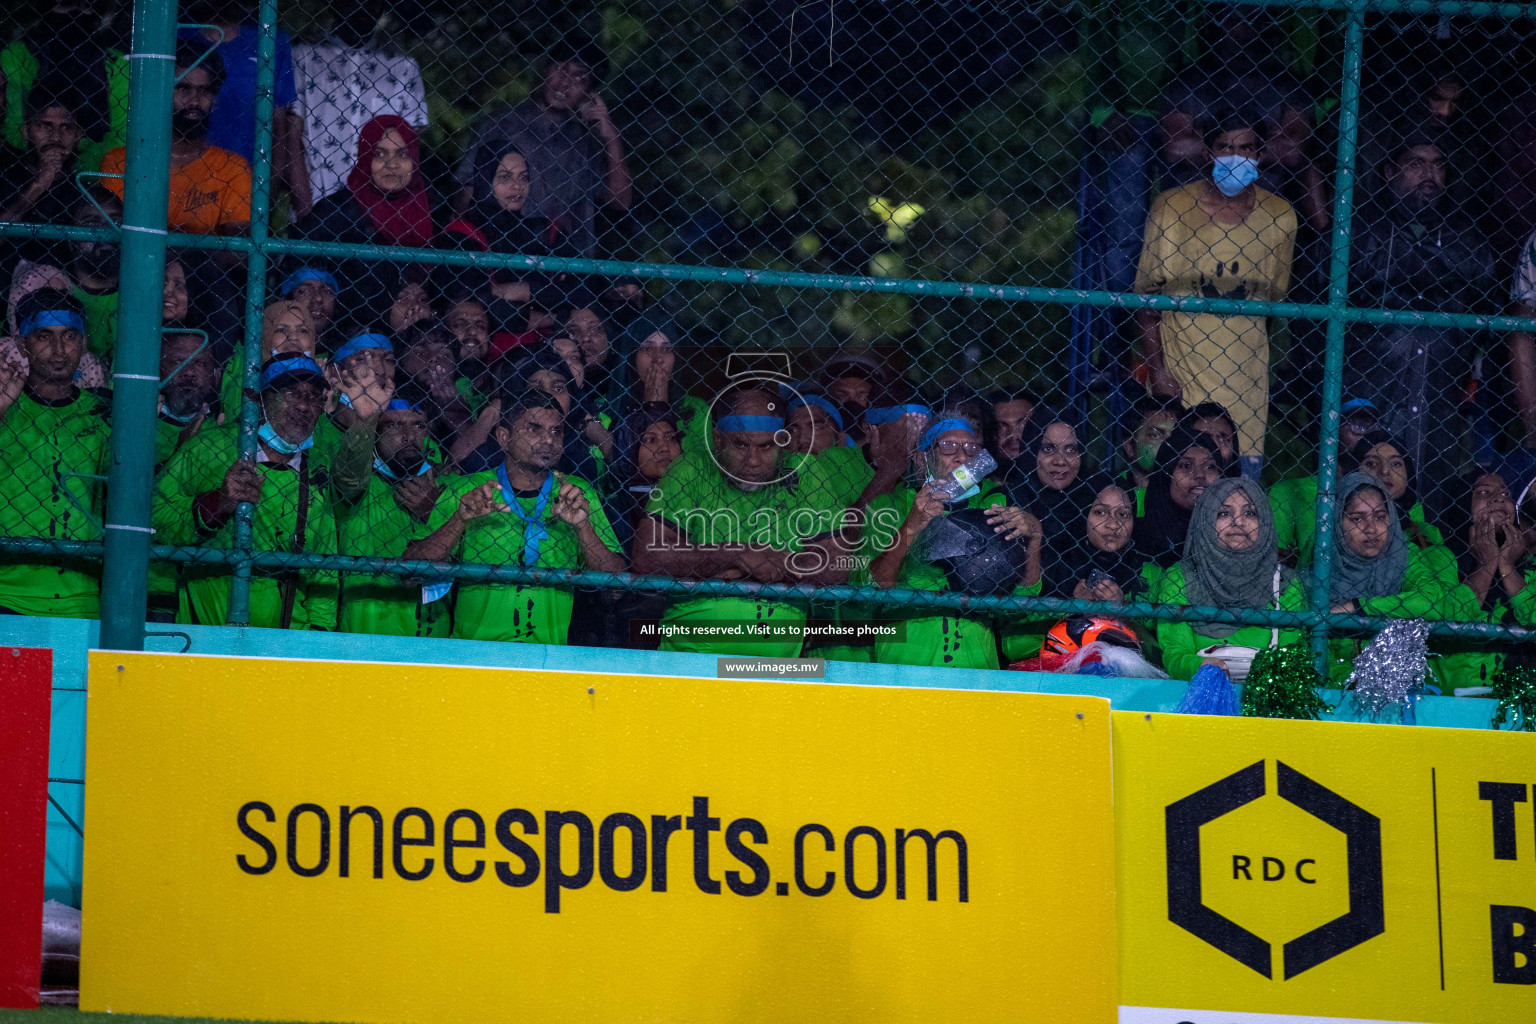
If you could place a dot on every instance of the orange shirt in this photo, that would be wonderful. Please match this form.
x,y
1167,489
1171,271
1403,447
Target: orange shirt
x,y
207,195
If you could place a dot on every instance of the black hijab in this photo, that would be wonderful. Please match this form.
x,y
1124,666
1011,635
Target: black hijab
x,y
1350,461
1070,556
504,230
1161,531
1060,512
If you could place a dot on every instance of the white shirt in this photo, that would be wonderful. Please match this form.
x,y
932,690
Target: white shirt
x,y
341,89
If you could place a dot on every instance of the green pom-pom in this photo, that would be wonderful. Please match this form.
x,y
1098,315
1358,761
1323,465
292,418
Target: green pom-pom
x,y
1515,690
1282,683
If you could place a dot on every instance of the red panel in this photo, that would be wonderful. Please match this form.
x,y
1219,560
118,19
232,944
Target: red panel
x,y
26,687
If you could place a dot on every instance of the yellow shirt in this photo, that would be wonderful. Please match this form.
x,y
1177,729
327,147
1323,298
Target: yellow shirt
x,y
1219,358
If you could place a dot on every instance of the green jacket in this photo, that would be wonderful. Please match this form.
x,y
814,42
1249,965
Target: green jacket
x,y
1181,643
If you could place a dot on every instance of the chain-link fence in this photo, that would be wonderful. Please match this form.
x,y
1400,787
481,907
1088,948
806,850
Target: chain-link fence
x,y
881,331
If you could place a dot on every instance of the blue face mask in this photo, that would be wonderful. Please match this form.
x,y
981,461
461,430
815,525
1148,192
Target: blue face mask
x,y
270,438
1232,174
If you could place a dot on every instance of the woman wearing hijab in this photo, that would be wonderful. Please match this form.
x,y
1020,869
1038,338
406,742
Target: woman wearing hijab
x,y
1098,559
1187,463
286,326
1047,477
897,519
1230,561
385,203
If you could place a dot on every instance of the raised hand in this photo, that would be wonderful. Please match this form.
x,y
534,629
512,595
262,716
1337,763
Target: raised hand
x,y
366,389
482,501
571,505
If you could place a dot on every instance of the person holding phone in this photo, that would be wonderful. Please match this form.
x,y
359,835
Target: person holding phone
x,y
1098,560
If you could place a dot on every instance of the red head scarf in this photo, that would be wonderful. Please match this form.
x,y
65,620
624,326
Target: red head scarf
x,y
400,218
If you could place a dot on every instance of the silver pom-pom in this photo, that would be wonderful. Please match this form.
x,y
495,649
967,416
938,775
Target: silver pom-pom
x,y
1390,669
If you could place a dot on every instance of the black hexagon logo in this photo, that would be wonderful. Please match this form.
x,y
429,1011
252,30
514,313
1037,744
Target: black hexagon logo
x,y
1366,917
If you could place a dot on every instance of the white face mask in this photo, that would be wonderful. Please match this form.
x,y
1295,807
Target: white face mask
x,y
270,437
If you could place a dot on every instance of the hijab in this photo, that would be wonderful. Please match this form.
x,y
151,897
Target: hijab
x,y
505,230
1164,526
1060,512
399,218
1351,461
1219,577
30,277
1069,556
1354,575
274,312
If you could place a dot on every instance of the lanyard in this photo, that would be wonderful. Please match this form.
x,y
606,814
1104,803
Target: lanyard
x,y
534,530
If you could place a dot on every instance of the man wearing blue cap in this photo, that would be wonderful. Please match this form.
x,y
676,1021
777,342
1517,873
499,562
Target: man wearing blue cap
x,y
365,361
205,483
520,514
53,443
741,510
379,515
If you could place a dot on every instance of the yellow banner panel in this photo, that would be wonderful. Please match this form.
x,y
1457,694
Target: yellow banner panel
x,y
1323,871
293,840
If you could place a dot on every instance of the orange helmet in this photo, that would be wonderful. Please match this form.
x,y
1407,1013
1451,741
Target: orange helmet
x,y
1069,635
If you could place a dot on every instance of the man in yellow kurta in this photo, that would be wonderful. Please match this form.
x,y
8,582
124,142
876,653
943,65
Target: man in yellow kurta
x,y
1219,237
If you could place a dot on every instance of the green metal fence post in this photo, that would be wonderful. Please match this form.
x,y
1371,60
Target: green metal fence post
x,y
256,295
136,369
1338,296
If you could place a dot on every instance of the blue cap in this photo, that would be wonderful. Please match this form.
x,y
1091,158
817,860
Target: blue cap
x,y
288,368
1355,405
400,405
292,281
361,342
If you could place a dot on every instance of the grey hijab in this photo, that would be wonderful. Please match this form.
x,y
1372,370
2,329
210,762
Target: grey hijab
x,y
1355,576
1222,578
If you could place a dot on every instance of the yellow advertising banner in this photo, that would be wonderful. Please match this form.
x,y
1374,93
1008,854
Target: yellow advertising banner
x,y
1277,871
299,840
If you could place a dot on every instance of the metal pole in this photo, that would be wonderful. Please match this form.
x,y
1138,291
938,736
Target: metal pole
x,y
1338,294
256,289
136,369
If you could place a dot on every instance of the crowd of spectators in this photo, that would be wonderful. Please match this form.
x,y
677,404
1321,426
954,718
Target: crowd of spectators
x,y
418,412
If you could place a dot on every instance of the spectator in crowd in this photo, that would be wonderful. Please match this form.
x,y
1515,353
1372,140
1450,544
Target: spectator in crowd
x,y
1155,420
189,392
38,184
379,515
1097,559
385,203
1240,68
316,288
1050,480
574,154
851,378
653,384
1230,562
1186,464
204,483
285,327
95,266
343,82
586,325
1213,420
65,46
175,295
895,522
470,323
1294,499
727,512
521,514
497,221
1493,550
28,278
1357,418
456,416
1010,413
1383,458
228,26
1413,248
817,426
365,360
53,446
210,186
1219,237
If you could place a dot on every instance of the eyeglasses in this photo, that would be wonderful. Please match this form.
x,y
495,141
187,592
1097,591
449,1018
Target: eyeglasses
x,y
967,448
1071,451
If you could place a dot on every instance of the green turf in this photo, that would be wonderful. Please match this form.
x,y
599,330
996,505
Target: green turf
x,y
56,1015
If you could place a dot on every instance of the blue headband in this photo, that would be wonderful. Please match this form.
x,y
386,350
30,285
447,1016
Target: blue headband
x,y
400,405
891,414
731,424
361,342
51,318
303,366
292,281
820,403
943,427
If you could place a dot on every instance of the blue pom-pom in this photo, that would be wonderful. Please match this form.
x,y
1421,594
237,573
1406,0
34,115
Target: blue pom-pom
x,y
1210,692
1095,668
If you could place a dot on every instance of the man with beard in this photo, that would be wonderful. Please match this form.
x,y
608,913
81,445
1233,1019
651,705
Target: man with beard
x,y
1414,248
95,267
205,483
520,514
38,186
378,516
742,509
575,156
1010,414
66,45
210,187
53,447
190,385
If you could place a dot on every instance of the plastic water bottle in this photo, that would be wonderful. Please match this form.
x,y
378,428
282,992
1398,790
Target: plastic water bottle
x,y
964,477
